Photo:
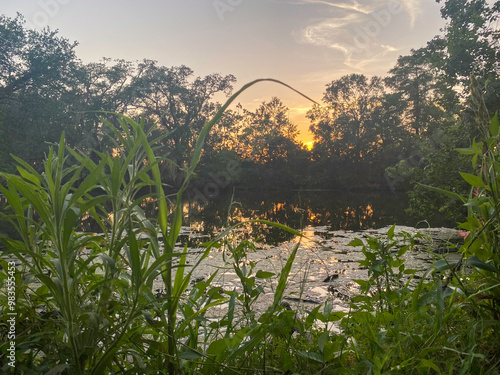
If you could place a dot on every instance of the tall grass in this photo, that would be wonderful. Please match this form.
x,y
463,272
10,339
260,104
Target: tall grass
x,y
86,303
95,291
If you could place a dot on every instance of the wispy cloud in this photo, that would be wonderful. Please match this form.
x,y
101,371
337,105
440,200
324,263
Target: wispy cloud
x,y
352,5
360,62
413,8
329,32
357,29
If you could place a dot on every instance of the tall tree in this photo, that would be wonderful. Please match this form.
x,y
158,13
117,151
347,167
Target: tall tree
x,y
416,82
357,132
470,41
268,145
176,102
267,134
345,125
35,68
434,81
96,87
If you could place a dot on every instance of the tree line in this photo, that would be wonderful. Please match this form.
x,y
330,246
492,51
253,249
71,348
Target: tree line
x,y
369,132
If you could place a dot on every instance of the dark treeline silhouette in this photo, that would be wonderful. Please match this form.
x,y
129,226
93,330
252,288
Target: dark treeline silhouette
x,y
370,133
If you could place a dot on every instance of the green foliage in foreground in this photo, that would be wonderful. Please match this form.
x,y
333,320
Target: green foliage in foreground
x,y
85,302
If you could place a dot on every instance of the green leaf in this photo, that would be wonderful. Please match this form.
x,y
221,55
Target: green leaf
x,y
443,264
365,285
312,356
108,261
495,125
28,176
390,233
445,192
466,151
190,354
336,316
135,260
264,275
89,183
478,263
280,288
356,242
322,340
180,282
473,180
425,363
115,176
218,347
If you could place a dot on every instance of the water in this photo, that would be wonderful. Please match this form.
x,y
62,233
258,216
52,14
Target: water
x,y
337,210
326,218
333,209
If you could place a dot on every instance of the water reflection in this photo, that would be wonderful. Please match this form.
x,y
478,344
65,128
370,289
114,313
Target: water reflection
x,y
337,210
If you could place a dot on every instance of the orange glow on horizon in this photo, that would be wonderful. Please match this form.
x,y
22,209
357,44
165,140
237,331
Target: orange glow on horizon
x,y
309,145
298,116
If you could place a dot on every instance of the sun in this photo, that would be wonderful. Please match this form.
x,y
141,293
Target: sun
x,y
309,145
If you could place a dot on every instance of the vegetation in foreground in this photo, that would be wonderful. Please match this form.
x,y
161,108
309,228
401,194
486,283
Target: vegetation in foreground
x,y
85,302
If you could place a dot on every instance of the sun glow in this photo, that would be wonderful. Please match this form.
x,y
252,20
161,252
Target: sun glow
x,y
309,145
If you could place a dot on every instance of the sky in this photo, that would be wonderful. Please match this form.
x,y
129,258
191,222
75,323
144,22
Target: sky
x,y
305,43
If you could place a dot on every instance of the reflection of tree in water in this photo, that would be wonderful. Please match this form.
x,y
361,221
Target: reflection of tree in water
x,y
354,211
338,210
335,209
212,216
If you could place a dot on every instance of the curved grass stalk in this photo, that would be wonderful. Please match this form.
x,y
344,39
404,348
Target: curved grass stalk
x,y
60,197
170,237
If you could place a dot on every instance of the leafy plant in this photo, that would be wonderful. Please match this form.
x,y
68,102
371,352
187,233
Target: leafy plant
x,y
95,291
386,268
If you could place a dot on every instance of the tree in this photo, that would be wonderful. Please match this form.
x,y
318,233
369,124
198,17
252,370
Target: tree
x,y
220,162
95,88
355,127
32,59
434,82
345,125
468,46
175,102
267,135
35,68
414,79
268,146
470,41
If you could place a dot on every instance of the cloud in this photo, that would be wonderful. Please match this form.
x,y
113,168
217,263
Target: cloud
x,y
353,5
413,8
329,32
374,58
357,29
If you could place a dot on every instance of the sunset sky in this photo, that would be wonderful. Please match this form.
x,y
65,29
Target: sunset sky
x,y
306,43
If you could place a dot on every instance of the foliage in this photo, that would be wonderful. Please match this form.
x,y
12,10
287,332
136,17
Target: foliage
x,y
469,45
435,163
35,68
174,102
85,301
268,147
399,325
396,328
357,132
364,126
481,248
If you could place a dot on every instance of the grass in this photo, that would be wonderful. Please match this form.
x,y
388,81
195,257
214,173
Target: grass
x,y
86,304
